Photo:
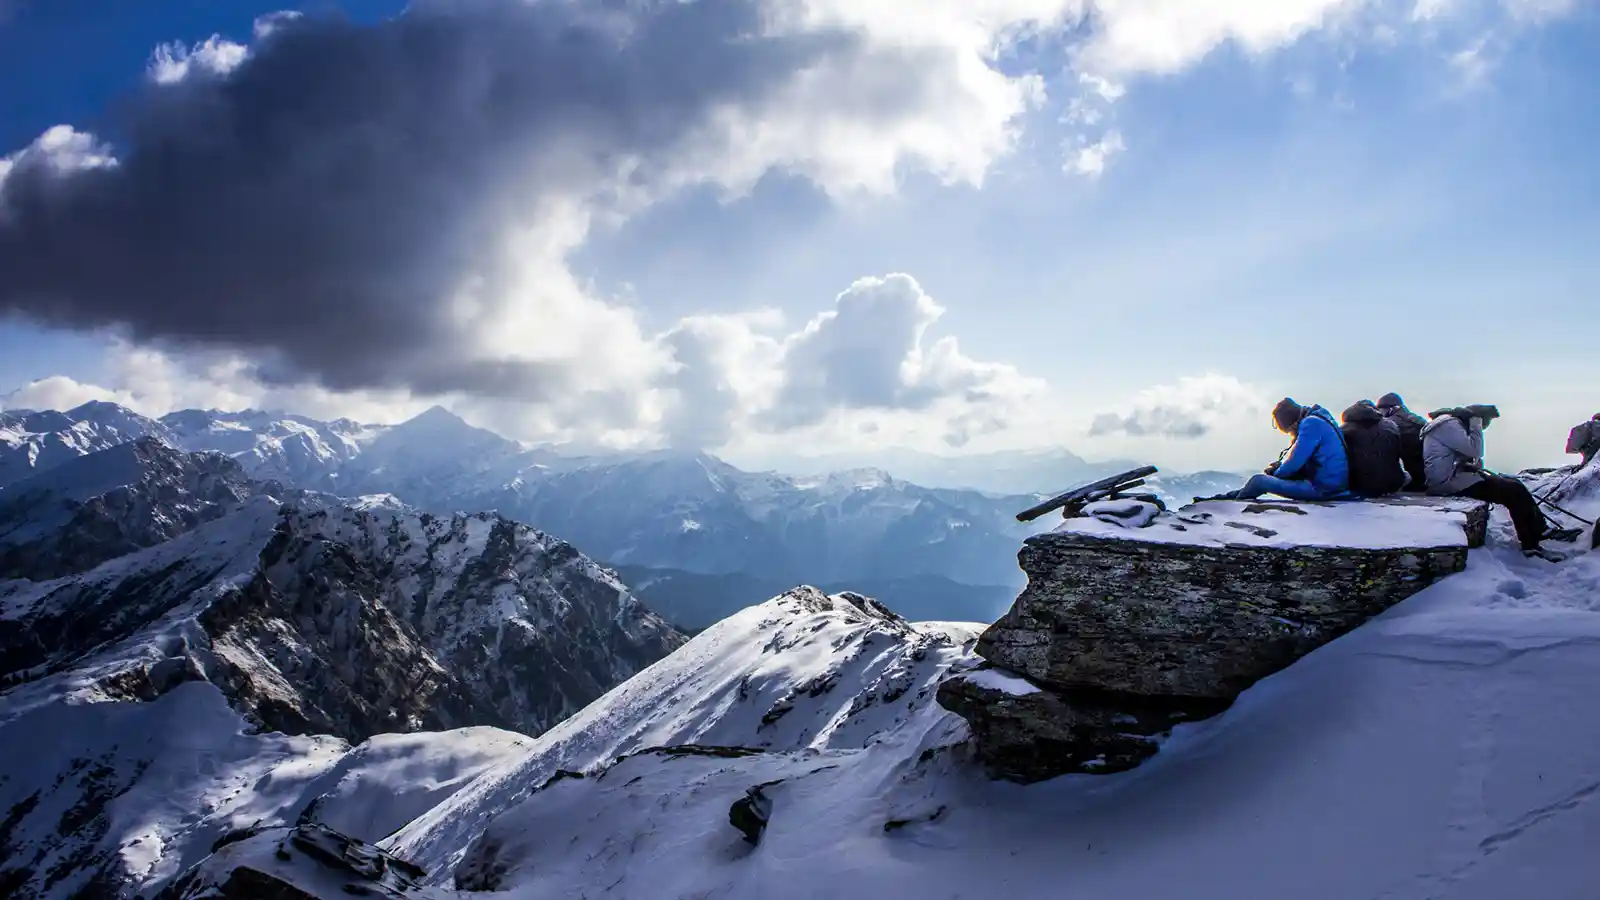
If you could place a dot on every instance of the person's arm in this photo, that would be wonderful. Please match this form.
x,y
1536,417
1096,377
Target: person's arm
x,y
1464,442
1305,445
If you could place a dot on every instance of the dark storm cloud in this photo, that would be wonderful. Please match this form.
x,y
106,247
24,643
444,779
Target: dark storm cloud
x,y
316,206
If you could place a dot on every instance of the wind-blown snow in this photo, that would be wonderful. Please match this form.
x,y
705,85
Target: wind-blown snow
x,y
1364,525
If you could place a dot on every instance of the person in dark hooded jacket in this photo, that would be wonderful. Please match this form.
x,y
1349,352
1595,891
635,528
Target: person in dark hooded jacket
x,y
1373,445
1411,425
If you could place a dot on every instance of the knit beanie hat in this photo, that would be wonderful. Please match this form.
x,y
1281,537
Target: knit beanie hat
x,y
1391,399
1286,413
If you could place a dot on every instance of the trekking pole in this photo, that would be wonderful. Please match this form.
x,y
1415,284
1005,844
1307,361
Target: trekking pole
x,y
1542,500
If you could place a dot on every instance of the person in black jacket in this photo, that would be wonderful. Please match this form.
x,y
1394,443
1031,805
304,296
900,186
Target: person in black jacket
x,y
1410,424
1373,443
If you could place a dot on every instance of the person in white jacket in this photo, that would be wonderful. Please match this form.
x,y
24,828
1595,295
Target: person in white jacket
x,y
1452,455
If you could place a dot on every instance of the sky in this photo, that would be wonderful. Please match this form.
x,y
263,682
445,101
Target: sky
x,y
769,228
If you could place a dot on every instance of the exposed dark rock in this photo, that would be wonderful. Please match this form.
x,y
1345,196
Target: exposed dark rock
x,y
93,508
1124,634
750,813
319,618
302,854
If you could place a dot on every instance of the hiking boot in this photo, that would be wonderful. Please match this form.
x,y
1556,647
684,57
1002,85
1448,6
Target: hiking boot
x,y
1544,553
1564,535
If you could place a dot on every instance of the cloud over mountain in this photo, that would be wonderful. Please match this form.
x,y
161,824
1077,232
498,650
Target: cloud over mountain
x,y
1186,410
390,207
378,216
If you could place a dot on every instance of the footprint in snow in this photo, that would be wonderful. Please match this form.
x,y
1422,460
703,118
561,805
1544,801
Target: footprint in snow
x,y
1514,588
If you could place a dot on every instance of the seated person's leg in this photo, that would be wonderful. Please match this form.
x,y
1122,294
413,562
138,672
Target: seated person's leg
x,y
1518,501
1283,487
1255,487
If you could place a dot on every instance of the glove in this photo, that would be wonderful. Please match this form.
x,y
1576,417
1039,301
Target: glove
x,y
1271,469
1488,412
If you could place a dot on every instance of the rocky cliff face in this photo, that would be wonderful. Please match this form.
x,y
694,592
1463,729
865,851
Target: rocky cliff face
x,y
1123,633
321,618
90,509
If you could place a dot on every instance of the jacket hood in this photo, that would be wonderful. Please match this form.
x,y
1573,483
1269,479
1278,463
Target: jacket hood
x,y
1362,414
1316,409
1440,422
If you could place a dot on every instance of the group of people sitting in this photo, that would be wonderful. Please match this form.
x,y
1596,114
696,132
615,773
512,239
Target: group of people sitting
x,y
1383,448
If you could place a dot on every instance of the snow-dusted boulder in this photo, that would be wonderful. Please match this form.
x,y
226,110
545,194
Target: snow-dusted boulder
x,y
1124,632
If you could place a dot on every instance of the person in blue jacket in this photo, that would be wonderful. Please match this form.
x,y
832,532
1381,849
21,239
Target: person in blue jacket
x,y
1315,467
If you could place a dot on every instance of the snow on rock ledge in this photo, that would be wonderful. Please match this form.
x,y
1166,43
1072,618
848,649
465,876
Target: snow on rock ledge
x,y
1128,632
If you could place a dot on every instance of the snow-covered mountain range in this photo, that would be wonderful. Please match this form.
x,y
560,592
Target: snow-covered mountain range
x,y
687,524
794,750
144,585
1440,750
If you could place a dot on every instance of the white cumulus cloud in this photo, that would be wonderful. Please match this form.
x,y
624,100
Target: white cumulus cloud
x,y
1187,409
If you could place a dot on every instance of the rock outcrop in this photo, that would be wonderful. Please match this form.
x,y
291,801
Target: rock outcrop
x,y
306,862
1123,633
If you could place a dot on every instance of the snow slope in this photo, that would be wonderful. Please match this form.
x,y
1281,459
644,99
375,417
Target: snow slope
x,y
120,795
802,672
1448,749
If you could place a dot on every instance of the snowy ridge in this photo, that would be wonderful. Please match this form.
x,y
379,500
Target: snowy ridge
x,y
36,441
345,621
803,671
689,513
93,508
1445,749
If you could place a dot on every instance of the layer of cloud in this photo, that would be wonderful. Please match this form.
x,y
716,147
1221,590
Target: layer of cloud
x,y
391,207
382,215
1186,410
60,392
869,359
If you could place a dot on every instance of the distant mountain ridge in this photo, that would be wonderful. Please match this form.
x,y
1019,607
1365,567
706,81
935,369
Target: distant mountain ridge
x,y
684,514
